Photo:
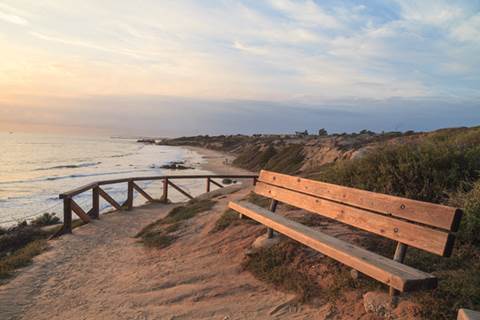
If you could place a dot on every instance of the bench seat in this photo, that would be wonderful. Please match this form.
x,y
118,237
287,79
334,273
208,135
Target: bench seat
x,y
390,272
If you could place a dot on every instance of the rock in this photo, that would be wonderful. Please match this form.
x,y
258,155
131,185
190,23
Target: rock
x,y
378,303
354,274
406,310
263,242
146,141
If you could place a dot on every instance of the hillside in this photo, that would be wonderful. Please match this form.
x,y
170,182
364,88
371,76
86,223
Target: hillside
x,y
292,153
441,167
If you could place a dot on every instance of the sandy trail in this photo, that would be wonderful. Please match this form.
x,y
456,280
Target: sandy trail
x,y
102,272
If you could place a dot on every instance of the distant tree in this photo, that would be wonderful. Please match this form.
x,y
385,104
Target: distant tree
x,y
322,132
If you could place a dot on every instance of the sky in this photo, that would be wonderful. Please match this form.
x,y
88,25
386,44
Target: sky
x,y
169,68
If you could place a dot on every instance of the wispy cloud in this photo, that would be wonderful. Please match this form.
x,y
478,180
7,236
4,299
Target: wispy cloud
x,y
302,51
11,15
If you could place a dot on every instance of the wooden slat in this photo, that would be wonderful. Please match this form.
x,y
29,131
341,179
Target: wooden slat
x,y
392,273
435,215
109,199
431,240
142,192
216,183
465,314
79,212
179,189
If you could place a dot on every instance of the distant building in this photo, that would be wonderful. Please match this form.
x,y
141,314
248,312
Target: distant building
x,y
322,132
301,133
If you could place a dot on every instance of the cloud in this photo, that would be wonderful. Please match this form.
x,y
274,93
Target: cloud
x,y
306,12
250,49
300,52
11,15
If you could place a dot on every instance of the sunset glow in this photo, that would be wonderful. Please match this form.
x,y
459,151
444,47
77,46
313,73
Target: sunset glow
x,y
60,57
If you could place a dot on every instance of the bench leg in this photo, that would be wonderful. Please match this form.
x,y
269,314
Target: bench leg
x,y
399,256
273,208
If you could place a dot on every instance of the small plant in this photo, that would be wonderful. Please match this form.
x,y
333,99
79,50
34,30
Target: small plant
x,y
157,239
276,266
159,233
47,219
228,218
190,210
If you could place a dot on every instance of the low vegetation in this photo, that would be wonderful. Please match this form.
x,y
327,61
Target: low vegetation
x,y
443,167
227,219
21,257
162,233
47,219
286,159
20,243
231,218
276,266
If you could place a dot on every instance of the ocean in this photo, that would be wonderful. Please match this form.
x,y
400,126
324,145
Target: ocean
x,y
35,169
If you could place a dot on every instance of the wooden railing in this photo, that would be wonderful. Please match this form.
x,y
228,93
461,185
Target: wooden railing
x,y
69,204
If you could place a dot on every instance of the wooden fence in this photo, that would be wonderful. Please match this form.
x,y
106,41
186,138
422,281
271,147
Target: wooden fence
x,y
69,204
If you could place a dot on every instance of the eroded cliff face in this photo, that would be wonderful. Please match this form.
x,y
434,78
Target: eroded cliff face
x,y
289,153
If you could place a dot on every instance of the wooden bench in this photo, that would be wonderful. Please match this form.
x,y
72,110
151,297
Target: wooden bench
x,y
412,223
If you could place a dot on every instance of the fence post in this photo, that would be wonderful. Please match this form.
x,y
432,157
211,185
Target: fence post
x,y
208,184
165,190
67,215
130,195
95,203
254,181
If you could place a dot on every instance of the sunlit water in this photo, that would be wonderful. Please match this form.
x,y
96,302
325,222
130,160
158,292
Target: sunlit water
x,y
34,169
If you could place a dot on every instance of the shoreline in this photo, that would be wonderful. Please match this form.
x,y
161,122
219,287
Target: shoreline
x,y
216,161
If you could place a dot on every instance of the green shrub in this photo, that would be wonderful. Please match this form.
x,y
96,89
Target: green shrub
x,y
47,219
470,225
18,237
429,169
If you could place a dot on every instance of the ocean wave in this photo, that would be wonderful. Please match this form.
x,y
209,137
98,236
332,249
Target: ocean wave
x,y
70,166
73,176
122,155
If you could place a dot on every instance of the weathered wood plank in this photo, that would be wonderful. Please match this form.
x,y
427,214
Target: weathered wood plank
x,y
142,192
431,240
392,273
109,199
435,215
465,314
79,212
180,190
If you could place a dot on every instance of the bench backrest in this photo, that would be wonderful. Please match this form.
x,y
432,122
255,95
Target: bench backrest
x,y
422,225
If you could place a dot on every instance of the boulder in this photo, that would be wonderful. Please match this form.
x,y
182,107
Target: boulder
x,y
378,303
263,242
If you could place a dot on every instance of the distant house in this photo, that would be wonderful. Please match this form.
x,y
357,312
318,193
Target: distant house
x,y
301,133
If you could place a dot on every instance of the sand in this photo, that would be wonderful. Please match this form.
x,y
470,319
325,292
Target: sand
x,y
102,272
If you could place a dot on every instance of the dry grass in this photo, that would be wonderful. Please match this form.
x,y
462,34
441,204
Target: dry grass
x,y
21,257
161,233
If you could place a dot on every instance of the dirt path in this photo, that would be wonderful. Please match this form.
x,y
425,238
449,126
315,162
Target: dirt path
x,y
102,272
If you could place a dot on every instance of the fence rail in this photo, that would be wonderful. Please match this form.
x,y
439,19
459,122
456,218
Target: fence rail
x,y
69,204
